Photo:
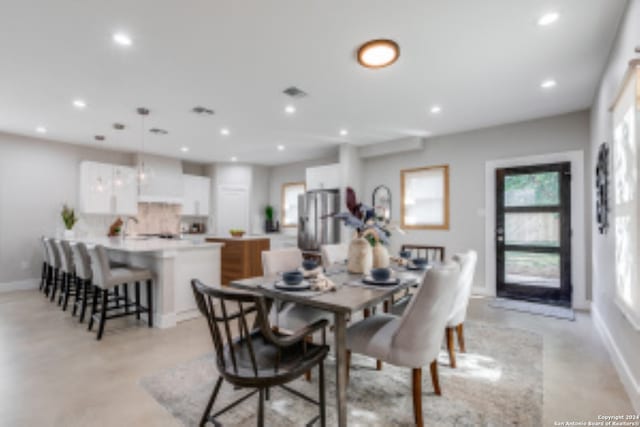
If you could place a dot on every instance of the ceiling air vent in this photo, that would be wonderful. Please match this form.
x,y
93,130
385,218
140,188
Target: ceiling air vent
x,y
294,92
118,126
158,131
99,137
202,111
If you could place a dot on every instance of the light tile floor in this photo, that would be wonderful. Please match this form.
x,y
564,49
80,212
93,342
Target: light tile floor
x,y
54,373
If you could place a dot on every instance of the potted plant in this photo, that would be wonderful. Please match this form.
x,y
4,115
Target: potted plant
x,y
268,214
69,219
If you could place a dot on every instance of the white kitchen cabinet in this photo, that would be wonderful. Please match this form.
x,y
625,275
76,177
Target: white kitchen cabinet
x,y
196,195
323,177
107,189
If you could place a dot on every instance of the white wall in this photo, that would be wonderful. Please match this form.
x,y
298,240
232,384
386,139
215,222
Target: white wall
x,y
36,178
622,340
466,154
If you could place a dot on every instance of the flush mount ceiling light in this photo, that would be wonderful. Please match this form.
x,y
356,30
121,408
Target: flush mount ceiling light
x,y
548,84
79,103
280,147
41,129
378,53
224,131
290,109
548,19
122,39
344,132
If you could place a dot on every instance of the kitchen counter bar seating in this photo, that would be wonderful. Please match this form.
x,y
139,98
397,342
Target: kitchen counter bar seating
x,y
106,278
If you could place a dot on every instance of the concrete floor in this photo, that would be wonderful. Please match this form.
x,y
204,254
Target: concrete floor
x,y
54,373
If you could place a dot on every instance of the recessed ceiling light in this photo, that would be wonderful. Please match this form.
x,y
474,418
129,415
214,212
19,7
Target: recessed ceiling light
x,y
548,19
378,53
79,103
280,147
122,39
224,131
184,149
234,159
344,132
548,84
436,109
41,129
289,109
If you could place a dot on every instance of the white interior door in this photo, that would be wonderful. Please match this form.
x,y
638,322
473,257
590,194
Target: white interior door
x,y
232,205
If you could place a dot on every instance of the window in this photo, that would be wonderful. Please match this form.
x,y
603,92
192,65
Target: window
x,y
425,198
290,193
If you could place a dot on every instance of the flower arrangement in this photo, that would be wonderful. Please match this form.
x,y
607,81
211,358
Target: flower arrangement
x,y
362,219
69,217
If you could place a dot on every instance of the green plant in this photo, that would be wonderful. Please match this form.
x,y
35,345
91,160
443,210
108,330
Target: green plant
x,y
68,217
268,213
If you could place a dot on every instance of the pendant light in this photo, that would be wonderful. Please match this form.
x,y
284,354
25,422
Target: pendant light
x,y
143,172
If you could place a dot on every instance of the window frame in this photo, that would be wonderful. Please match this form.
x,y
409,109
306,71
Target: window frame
x,y
283,192
446,199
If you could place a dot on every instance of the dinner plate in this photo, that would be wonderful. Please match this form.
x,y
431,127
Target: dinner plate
x,y
391,281
302,286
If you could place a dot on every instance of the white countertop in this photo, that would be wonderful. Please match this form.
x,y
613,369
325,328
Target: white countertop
x,y
153,244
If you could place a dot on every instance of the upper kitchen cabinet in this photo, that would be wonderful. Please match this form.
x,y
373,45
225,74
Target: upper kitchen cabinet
x,y
196,195
323,177
107,189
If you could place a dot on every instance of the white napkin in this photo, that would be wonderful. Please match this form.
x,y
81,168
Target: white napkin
x,y
322,283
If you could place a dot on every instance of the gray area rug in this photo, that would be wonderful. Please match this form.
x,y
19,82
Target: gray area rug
x,y
534,308
498,382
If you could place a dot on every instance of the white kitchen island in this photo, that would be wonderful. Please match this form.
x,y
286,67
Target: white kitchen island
x,y
174,263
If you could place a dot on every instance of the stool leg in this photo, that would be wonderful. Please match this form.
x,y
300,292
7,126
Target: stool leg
x,y
116,292
94,307
63,288
150,303
67,292
103,313
78,295
43,276
85,295
126,297
55,285
137,292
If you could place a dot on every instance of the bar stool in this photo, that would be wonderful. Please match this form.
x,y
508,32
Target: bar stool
x,y
84,277
106,278
46,265
54,256
69,285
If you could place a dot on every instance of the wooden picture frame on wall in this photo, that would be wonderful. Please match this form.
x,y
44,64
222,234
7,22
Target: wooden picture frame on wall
x,y
287,186
423,190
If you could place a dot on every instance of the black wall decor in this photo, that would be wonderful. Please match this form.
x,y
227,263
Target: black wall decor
x,y
602,188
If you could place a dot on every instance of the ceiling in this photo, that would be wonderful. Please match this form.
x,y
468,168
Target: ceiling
x,y
482,62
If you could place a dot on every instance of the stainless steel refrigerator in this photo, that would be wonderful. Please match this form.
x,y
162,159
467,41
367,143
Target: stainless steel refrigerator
x,y
315,228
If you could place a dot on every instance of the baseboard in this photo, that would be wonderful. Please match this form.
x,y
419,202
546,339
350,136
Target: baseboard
x,y
20,285
631,384
481,290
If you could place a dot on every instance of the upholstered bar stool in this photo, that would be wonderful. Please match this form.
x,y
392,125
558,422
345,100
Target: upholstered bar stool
x,y
54,256
84,278
106,278
46,265
69,286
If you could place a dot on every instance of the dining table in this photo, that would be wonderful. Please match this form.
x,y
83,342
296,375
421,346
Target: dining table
x,y
349,296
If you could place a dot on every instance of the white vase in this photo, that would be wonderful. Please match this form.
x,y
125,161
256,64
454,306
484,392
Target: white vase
x,y
68,234
380,256
360,259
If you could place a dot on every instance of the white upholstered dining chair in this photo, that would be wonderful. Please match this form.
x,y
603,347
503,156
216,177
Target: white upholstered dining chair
x,y
414,339
467,262
334,254
292,317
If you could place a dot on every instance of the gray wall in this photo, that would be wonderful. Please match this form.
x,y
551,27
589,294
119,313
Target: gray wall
x,y
36,178
625,340
466,154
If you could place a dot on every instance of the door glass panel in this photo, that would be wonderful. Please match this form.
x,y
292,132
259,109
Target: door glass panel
x,y
532,269
535,229
535,189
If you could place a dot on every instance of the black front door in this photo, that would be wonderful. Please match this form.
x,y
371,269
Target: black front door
x,y
533,233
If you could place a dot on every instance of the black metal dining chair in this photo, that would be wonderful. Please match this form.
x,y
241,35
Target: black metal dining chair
x,y
258,357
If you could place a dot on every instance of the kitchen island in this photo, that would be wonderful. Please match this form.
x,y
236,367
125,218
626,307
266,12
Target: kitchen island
x,y
174,263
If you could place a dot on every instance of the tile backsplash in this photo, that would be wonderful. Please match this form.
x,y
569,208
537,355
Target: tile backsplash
x,y
153,218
